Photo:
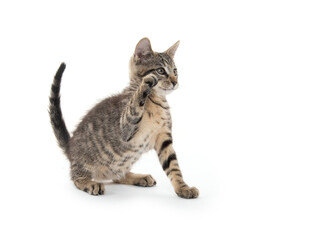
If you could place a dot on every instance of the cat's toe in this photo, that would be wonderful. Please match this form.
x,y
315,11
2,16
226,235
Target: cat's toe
x,y
95,189
151,81
187,192
146,181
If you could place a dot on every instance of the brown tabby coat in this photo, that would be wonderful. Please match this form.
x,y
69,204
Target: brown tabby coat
x,y
117,131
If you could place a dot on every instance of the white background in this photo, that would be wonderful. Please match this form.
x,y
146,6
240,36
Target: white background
x,y
253,120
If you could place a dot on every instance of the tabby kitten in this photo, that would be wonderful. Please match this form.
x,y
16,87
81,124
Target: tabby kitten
x,y
117,131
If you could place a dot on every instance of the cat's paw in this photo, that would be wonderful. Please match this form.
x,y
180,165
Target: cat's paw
x,y
145,181
95,188
91,187
187,192
150,81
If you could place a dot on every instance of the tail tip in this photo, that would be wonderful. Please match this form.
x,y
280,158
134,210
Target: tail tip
x,y
60,71
62,67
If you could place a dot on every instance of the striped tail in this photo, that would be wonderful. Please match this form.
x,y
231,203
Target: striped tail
x,y
57,121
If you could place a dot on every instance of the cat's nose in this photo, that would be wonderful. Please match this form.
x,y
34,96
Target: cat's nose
x,y
173,80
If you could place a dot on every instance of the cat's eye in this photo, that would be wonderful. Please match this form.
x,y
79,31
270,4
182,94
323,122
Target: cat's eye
x,y
175,72
160,71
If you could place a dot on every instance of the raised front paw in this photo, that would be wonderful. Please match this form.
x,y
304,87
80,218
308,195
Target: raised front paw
x,y
150,80
187,192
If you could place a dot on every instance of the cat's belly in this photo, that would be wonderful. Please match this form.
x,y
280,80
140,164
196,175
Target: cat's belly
x,y
117,169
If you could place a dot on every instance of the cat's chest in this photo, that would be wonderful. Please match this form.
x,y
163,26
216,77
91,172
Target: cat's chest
x,y
155,120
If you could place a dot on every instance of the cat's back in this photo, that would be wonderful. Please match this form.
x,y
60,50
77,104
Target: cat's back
x,y
104,116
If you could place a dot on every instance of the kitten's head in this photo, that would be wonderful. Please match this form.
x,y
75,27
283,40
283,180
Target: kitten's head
x,y
145,61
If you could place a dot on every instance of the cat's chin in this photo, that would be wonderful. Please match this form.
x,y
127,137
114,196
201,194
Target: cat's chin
x,y
163,91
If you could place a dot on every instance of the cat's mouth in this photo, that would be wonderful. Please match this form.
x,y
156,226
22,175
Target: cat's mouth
x,y
169,90
165,89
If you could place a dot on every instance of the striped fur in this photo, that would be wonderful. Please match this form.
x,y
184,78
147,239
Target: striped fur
x,y
117,131
57,121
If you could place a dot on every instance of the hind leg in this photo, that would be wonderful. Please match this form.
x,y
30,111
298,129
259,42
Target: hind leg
x,y
143,180
82,180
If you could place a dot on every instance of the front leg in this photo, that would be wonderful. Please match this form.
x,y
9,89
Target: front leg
x,y
169,162
132,114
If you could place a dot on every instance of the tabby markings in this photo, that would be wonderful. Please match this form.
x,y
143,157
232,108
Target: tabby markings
x,y
164,107
165,144
166,163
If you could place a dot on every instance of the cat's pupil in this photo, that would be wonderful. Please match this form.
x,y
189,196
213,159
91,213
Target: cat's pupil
x,y
175,71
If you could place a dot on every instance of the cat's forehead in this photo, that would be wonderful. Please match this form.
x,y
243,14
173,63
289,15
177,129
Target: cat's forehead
x,y
158,59
165,59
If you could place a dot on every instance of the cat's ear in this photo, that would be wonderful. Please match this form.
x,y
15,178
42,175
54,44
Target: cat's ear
x,y
143,48
172,50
